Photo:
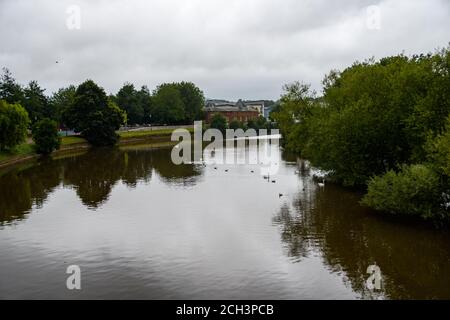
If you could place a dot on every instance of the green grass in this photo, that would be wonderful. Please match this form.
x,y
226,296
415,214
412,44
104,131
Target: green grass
x,y
27,149
23,149
145,133
71,140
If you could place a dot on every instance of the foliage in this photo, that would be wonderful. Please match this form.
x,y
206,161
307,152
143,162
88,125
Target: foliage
x,y
45,136
219,122
95,116
378,122
60,101
193,101
373,116
36,103
167,105
10,90
127,100
413,191
13,125
235,124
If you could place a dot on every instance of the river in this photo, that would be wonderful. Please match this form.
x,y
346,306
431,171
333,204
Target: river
x,y
140,227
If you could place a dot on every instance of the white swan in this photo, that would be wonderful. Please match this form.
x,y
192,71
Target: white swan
x,y
321,184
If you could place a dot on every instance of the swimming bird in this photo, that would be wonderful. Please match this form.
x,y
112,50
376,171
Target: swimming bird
x,y
252,171
273,181
280,195
321,184
226,170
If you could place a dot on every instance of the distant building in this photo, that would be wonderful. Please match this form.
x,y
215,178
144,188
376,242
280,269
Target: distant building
x,y
241,111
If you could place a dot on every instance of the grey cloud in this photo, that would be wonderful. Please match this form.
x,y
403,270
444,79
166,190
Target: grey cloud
x,y
230,48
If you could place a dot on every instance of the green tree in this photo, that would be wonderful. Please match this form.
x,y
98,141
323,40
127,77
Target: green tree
x,y
13,125
45,136
234,124
193,101
10,90
60,101
145,101
128,100
36,103
94,115
218,121
167,105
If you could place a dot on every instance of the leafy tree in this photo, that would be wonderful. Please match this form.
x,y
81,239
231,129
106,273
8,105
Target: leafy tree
x,y
234,124
94,115
45,136
128,100
373,117
36,103
13,125
193,101
167,105
145,101
218,121
10,90
61,101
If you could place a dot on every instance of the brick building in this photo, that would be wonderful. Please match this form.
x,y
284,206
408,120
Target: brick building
x,y
240,111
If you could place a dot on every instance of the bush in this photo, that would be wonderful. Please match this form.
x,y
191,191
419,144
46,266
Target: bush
x,y
234,124
13,125
45,136
413,191
218,121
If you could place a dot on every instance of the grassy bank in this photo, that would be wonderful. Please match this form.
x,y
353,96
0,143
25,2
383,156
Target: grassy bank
x,y
25,151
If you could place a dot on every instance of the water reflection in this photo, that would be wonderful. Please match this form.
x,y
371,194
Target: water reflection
x,y
203,231
92,175
414,260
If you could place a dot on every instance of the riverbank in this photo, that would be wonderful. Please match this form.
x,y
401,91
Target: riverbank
x,y
25,151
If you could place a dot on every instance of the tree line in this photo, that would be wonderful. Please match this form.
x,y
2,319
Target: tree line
x,y
89,110
382,125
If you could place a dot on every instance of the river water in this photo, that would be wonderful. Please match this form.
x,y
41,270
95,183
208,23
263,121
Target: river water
x,y
140,227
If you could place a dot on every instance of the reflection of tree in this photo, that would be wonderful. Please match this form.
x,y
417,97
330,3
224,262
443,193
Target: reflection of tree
x,y
21,189
184,174
92,174
414,261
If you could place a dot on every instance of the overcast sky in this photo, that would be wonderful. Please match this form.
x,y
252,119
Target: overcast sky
x,y
230,48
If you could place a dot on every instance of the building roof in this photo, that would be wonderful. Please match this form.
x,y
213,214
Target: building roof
x,y
228,106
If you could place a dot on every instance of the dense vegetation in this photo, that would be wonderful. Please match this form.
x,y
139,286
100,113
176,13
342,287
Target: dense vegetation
x,y
94,115
88,110
218,121
45,136
13,125
382,124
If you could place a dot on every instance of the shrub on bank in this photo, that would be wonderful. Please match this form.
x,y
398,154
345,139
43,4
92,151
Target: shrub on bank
x,y
13,125
45,136
413,191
